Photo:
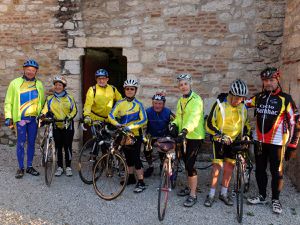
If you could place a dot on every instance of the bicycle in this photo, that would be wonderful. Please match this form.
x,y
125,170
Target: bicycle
x,y
169,173
47,148
110,172
240,148
89,153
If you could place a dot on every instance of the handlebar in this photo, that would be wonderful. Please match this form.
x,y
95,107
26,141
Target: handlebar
x,y
94,123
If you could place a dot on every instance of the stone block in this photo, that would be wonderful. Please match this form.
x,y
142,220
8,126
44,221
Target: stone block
x,y
112,6
186,10
237,27
43,46
73,67
216,5
77,16
109,42
69,25
197,42
154,44
70,53
80,42
294,41
131,30
20,8
10,63
247,3
2,65
131,54
70,42
149,56
3,8
134,68
163,71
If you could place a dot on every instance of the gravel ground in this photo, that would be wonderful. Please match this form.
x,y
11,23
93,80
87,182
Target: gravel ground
x,y
70,201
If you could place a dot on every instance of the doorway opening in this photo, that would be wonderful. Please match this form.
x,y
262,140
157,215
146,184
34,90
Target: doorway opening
x,y
110,59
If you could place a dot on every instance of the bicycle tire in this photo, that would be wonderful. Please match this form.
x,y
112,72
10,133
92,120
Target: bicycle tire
x,y
110,176
239,191
85,164
175,166
50,161
163,192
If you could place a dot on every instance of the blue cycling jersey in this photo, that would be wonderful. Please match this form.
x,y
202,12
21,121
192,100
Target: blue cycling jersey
x,y
157,125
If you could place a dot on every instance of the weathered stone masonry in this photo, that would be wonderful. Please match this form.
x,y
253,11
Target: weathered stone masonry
x,y
216,41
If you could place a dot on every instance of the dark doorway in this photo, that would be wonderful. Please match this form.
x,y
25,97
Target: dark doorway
x,y
110,59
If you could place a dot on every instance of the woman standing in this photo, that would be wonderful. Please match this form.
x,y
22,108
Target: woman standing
x,y
130,114
190,124
62,106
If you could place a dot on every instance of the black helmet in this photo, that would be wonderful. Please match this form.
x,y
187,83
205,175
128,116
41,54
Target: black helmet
x,y
270,72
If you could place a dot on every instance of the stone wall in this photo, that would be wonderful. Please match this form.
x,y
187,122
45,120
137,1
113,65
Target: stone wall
x,y
216,41
291,70
27,30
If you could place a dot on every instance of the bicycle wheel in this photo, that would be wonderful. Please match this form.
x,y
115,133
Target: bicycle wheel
x,y
87,161
175,166
239,191
50,161
110,176
163,192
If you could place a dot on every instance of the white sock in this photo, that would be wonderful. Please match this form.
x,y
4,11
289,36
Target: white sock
x,y
212,192
224,191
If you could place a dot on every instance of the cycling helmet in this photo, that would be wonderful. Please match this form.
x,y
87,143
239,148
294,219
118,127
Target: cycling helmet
x,y
159,97
238,88
270,72
101,73
31,63
184,76
131,83
60,79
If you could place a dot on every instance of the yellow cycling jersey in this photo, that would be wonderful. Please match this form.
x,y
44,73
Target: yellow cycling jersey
x,y
129,113
28,98
229,120
99,101
63,107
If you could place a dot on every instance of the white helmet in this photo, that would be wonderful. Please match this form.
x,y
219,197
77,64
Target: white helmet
x,y
131,83
238,88
184,76
60,79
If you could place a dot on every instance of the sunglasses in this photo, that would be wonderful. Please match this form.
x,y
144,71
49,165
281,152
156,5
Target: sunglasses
x,y
130,89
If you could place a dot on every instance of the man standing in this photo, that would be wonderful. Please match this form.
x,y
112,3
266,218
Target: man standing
x,y
275,135
189,122
23,102
159,118
226,122
100,98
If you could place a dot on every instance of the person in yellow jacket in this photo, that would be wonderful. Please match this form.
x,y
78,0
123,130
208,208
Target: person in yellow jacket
x,y
23,102
227,122
61,105
100,98
130,113
189,122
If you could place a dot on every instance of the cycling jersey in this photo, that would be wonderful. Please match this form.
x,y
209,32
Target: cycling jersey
x,y
61,106
129,113
158,122
189,115
28,98
227,119
18,100
100,101
275,117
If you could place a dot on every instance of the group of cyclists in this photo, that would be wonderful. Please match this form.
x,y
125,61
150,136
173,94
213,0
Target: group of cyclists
x,y
276,132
